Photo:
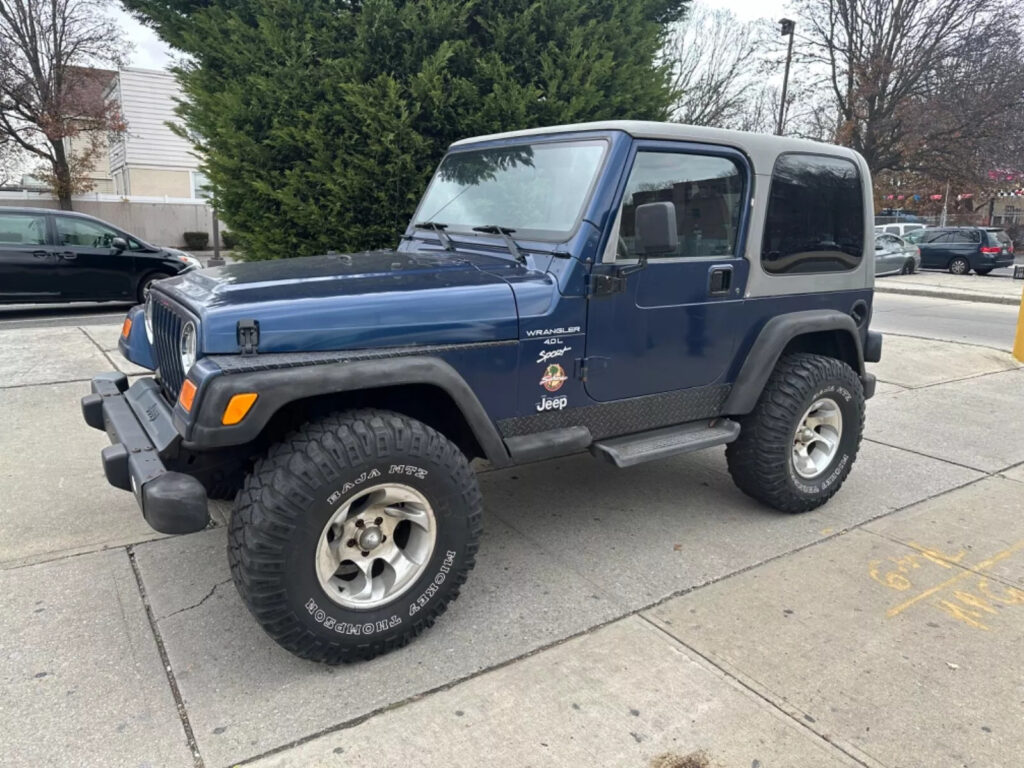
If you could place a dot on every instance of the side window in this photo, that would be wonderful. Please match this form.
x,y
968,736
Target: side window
x,y
22,229
84,233
815,217
894,229
937,237
707,193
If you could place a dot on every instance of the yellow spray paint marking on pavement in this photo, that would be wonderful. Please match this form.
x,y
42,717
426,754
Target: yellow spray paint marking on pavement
x,y
971,602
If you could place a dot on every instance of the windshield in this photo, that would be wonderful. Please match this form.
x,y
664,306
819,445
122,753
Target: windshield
x,y
538,190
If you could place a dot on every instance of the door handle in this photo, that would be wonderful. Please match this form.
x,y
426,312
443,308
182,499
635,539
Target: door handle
x,y
68,255
40,254
720,281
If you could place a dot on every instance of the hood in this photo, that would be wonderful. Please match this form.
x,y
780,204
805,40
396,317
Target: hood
x,y
355,301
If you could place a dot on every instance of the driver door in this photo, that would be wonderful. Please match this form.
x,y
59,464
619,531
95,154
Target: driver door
x,y
90,268
674,324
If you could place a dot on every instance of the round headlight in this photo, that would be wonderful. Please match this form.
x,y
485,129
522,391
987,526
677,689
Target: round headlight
x,y
149,319
187,346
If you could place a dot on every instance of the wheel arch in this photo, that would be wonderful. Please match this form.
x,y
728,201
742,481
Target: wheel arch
x,y
424,388
823,332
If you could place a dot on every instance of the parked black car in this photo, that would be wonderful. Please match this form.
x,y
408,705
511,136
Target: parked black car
x,y
961,249
64,256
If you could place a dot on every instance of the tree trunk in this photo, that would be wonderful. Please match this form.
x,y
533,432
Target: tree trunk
x,y
61,175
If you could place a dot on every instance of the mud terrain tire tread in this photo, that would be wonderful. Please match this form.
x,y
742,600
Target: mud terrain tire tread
x,y
760,459
265,512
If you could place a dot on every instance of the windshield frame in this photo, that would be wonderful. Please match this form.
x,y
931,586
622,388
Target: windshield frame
x,y
533,235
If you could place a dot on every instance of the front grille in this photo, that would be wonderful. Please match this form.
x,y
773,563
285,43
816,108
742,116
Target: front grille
x,y
166,337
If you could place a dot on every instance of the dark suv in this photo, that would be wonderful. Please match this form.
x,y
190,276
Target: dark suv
x,y
961,249
635,290
64,256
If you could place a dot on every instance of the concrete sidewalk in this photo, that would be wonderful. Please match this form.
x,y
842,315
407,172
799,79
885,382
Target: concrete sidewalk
x,y
649,617
990,289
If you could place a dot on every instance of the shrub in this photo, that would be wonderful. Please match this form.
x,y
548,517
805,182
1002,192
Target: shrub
x,y
229,239
197,241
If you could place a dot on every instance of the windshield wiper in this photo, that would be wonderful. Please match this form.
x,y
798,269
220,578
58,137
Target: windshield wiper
x,y
506,234
439,228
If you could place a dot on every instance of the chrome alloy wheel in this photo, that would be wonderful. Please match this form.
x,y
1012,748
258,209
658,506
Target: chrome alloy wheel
x,y
375,546
817,437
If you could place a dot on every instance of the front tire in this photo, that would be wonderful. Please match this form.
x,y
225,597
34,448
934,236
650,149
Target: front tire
x,y
353,534
798,445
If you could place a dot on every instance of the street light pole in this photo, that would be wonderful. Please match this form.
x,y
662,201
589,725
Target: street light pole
x,y
788,25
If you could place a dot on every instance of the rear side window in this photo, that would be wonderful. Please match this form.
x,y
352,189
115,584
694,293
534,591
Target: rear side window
x,y
22,229
815,217
894,229
966,236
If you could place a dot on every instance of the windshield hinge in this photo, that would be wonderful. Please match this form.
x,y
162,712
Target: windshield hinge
x,y
248,333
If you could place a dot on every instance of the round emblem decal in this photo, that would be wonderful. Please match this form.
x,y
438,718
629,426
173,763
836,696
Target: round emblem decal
x,y
554,377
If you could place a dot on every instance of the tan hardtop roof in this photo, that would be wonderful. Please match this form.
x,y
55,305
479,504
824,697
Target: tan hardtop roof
x,y
758,145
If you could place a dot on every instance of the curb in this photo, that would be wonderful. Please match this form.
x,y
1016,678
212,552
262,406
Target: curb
x,y
939,293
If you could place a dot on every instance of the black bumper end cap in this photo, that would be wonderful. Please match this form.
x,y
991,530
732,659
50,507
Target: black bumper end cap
x,y
115,463
873,347
868,381
92,411
175,503
102,383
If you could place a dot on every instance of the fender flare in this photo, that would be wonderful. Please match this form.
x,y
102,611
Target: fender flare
x,y
277,387
768,346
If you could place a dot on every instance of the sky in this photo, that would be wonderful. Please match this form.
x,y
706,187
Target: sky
x,y
151,52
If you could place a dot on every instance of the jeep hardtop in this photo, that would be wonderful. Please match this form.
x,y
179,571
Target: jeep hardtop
x,y
632,289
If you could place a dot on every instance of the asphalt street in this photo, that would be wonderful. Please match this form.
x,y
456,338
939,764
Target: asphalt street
x,y
989,325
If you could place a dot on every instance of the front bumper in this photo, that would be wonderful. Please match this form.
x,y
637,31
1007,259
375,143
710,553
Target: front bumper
x,y
138,422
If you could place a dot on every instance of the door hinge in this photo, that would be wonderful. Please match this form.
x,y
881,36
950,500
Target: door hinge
x,y
248,333
604,285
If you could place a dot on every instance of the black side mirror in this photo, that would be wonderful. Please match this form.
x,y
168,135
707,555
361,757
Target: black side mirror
x,y
656,228
119,244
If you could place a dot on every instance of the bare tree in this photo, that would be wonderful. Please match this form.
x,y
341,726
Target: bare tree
x,y
12,162
716,65
51,94
922,86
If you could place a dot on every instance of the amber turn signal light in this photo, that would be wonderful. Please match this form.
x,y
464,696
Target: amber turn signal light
x,y
187,395
238,407
127,327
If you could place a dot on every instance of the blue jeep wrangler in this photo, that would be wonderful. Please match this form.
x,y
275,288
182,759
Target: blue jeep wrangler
x,y
636,290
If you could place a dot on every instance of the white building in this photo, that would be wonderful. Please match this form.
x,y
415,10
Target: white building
x,y
149,159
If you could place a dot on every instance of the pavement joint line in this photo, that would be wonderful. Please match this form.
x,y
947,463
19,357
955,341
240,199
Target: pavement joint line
x,y
43,383
978,569
179,702
946,341
934,458
762,693
951,381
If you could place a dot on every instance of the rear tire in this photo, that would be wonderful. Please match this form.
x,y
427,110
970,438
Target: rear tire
x,y
983,272
908,268
959,266
798,445
353,534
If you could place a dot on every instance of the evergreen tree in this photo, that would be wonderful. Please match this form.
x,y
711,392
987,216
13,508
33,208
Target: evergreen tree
x,y
320,121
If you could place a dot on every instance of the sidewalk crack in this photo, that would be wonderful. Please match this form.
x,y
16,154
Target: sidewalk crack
x,y
195,605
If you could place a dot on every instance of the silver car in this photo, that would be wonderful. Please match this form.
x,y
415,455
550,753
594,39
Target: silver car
x,y
895,256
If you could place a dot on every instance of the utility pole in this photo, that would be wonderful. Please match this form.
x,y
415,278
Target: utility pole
x,y
945,205
788,25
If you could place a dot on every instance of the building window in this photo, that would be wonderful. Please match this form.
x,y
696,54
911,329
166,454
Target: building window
x,y
200,185
815,218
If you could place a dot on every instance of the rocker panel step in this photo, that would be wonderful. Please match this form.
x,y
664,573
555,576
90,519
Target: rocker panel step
x,y
629,450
